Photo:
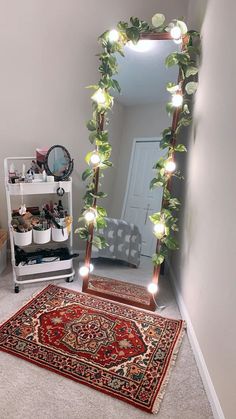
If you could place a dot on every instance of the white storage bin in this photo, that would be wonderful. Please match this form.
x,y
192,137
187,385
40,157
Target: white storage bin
x,y
22,239
3,250
59,234
41,236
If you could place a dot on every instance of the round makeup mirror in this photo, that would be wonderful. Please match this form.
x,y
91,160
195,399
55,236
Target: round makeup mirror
x,y
58,162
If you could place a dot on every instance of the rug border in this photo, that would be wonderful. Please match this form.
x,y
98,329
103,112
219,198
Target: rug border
x,y
103,294
34,295
161,389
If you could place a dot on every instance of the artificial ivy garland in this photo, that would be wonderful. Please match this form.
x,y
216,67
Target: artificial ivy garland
x,y
113,42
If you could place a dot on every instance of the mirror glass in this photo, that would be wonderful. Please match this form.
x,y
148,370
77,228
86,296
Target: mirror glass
x,y
58,162
136,121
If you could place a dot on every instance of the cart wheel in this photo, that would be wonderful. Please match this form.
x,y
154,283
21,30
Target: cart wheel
x,y
17,289
70,279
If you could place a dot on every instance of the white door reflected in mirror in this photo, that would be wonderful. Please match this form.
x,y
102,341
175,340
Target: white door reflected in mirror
x,y
141,201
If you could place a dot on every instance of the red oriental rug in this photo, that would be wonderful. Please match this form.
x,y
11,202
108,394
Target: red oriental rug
x,y
118,349
124,292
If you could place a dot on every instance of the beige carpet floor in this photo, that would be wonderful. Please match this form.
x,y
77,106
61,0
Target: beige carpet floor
x,y
30,392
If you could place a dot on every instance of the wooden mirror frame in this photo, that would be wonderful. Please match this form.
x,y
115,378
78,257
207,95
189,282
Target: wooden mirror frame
x,y
183,88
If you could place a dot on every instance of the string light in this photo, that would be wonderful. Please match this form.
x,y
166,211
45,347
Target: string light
x,y
152,288
90,215
170,166
95,159
91,267
159,228
176,32
178,41
84,271
99,97
113,35
177,100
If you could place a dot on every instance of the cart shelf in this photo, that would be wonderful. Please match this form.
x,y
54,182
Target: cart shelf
x,y
37,188
58,269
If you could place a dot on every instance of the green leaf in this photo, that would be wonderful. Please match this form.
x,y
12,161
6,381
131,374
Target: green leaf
x,y
135,22
173,203
183,57
83,233
87,173
171,243
102,136
183,122
99,242
158,259
99,195
155,218
186,109
104,148
100,222
93,86
193,50
191,87
106,163
180,148
191,71
88,156
91,125
156,183
171,60
92,136
172,87
157,20
116,85
101,211
166,194
169,108
182,26
122,25
133,34
160,163
194,33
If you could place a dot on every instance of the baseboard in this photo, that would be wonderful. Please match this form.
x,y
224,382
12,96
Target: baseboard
x,y
203,370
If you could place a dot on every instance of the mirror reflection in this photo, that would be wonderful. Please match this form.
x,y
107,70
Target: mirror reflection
x,y
136,121
58,162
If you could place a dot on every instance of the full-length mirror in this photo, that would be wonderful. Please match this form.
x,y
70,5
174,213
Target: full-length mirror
x,y
136,226
136,121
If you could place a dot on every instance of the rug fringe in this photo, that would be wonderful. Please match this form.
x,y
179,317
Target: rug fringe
x,y
162,390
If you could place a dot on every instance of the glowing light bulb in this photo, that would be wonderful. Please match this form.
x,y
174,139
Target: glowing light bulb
x,y
95,159
99,97
91,267
113,35
152,288
159,228
170,166
90,215
83,271
178,41
177,100
176,32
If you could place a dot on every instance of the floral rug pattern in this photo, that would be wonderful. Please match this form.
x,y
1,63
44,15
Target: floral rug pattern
x,y
117,349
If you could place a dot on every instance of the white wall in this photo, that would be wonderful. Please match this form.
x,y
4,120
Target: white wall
x,y
48,52
204,268
138,122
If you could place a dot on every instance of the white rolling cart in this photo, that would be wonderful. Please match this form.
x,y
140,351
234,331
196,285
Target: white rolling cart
x,y
56,270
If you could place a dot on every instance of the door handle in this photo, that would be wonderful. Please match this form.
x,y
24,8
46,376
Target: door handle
x,y
147,210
